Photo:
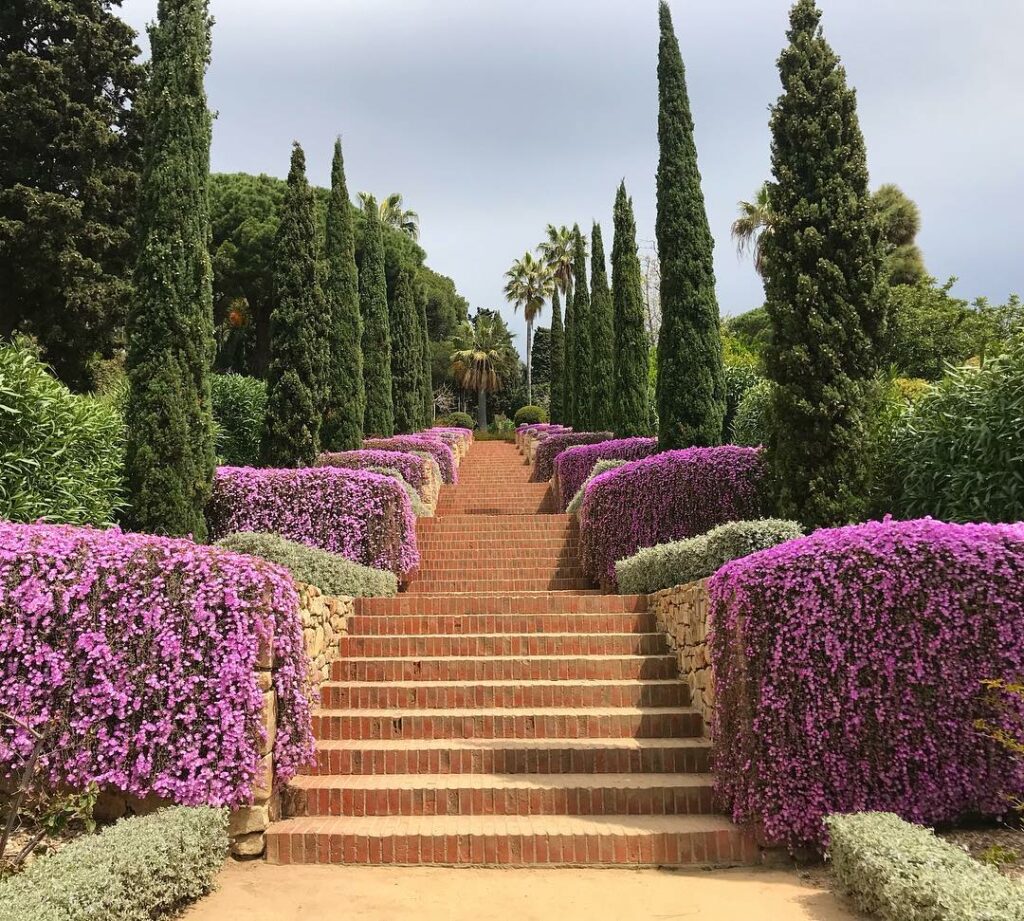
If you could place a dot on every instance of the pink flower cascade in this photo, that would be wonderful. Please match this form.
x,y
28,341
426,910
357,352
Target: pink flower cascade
x,y
545,428
411,466
364,516
848,674
442,452
666,497
573,465
451,433
140,654
551,446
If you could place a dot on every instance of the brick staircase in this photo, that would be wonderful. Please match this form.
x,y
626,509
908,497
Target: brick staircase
x,y
502,712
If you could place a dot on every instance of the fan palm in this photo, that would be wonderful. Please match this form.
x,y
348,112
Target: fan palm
x,y
482,359
755,221
528,284
392,214
557,253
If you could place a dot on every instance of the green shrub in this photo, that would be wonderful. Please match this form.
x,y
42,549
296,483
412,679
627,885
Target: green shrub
x,y
902,872
61,454
330,572
137,870
752,425
602,466
682,561
890,402
240,412
738,380
457,420
419,509
530,415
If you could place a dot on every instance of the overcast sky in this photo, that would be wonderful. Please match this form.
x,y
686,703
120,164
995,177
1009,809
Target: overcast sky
x,y
494,117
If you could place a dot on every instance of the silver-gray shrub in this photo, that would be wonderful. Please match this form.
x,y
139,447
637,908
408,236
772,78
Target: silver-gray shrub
x,y
602,466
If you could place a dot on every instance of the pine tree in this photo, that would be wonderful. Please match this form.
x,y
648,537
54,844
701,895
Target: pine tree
x,y
378,418
426,372
170,457
556,411
631,347
691,379
298,334
346,399
582,358
822,283
602,338
406,357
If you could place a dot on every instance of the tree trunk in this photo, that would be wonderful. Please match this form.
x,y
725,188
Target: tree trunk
x,y
529,362
481,409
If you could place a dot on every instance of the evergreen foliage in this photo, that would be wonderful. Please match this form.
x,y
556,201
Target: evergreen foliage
x,y
602,337
582,357
691,382
557,404
542,356
426,373
821,283
406,358
378,418
170,452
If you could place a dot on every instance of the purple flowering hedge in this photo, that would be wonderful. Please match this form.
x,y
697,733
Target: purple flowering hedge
x,y
137,655
849,669
666,497
550,447
573,466
441,452
365,517
412,467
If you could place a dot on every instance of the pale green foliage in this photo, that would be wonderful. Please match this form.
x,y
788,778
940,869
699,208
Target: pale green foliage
x,y
602,466
752,426
418,508
239,415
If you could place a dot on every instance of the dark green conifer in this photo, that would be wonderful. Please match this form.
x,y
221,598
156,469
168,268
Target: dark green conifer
x,y
426,373
569,363
602,338
631,347
582,357
823,298
691,379
170,456
378,418
556,411
406,357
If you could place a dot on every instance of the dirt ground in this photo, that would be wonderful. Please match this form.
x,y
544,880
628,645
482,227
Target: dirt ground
x,y
258,892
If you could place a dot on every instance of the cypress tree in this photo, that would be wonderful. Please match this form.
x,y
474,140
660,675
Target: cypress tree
x,y
823,298
170,457
378,417
298,333
602,338
691,379
406,357
569,363
556,411
346,399
426,372
631,347
582,357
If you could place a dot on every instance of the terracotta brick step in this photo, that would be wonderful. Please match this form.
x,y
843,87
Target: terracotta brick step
x,y
511,841
375,695
441,555
514,756
488,510
448,569
504,603
525,524
505,723
505,668
472,549
505,644
435,586
437,624
500,794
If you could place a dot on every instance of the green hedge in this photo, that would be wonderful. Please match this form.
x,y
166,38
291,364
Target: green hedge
x,y
419,508
752,425
330,572
61,454
739,379
457,420
530,415
137,870
902,872
240,413
602,466
682,561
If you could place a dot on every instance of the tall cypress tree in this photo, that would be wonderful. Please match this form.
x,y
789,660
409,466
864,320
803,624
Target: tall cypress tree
x,y
346,398
406,357
602,338
378,417
170,458
581,351
822,273
691,379
631,347
556,411
426,372
298,334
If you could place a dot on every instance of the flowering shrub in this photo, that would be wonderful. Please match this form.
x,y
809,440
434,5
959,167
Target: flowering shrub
x,y
140,653
574,465
663,498
410,465
602,466
441,452
364,516
554,444
848,673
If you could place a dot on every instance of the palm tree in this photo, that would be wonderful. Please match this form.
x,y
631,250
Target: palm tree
x,y
529,283
392,214
482,358
755,221
557,253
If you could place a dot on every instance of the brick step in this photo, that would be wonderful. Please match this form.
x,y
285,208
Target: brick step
x,y
502,547
511,841
438,624
500,794
441,555
504,644
514,756
526,520
505,723
375,695
505,668
504,603
441,569
490,510
469,584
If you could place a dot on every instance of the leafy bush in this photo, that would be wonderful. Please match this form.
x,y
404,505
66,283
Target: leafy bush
x,y
438,449
739,379
458,420
602,466
903,872
865,650
136,870
682,561
666,497
408,463
365,517
61,455
418,508
145,650
553,444
330,572
240,413
530,415
752,425
574,465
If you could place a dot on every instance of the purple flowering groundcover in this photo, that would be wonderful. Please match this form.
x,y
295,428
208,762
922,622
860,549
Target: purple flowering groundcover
x,y
411,466
573,465
550,447
442,452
